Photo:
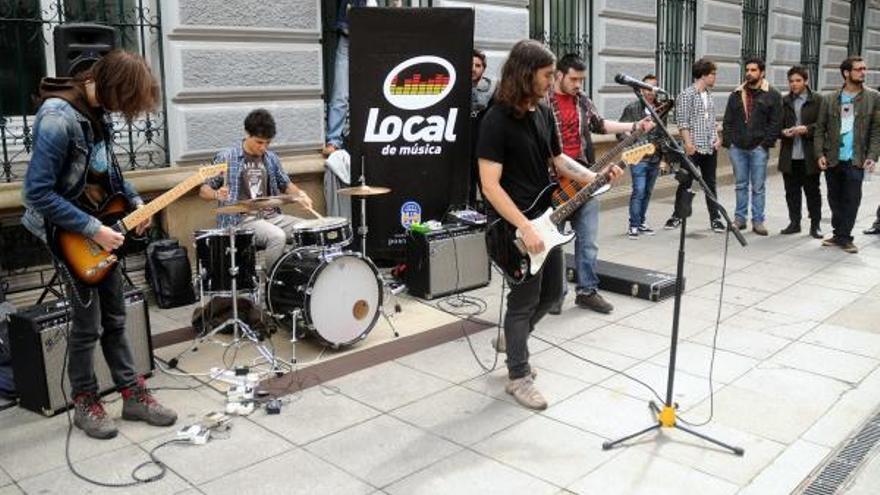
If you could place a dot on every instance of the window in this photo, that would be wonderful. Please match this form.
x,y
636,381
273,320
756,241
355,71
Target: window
x,y
676,35
754,33
856,26
564,26
28,56
811,38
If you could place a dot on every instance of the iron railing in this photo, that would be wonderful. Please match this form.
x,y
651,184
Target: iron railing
x,y
856,26
565,26
811,38
754,32
676,40
25,42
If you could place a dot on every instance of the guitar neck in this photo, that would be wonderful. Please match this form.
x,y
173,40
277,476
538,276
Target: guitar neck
x,y
138,216
566,209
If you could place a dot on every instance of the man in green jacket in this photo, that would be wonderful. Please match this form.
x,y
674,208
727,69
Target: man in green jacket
x,y
847,142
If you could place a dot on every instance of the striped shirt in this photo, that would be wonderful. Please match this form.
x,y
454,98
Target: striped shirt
x,y
692,114
234,157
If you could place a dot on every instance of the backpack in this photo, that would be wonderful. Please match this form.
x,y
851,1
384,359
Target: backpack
x,y
169,274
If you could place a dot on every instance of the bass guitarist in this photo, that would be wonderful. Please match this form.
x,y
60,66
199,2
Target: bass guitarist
x,y
518,142
72,170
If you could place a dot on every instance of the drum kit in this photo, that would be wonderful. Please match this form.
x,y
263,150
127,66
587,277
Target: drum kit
x,y
318,288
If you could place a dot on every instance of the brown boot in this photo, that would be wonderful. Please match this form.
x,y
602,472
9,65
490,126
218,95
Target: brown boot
x,y
139,405
90,417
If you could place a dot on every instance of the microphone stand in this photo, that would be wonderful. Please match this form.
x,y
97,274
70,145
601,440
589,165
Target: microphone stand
x,y
666,417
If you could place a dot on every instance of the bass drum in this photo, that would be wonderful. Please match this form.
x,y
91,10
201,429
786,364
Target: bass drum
x,y
338,294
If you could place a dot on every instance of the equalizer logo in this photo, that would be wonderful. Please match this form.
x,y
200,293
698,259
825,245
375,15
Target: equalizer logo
x,y
419,82
414,84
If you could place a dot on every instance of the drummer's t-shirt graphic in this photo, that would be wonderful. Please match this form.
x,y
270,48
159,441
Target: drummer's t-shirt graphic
x,y
254,180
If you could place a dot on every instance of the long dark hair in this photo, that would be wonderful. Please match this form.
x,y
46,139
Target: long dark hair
x,y
517,86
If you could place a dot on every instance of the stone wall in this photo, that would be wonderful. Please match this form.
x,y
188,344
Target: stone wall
x,y
719,37
784,33
871,42
835,36
223,59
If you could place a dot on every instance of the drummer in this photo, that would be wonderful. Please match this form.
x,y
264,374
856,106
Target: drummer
x,y
255,172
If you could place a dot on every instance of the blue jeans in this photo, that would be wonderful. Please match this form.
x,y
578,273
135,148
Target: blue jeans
x,y
338,110
585,223
644,175
750,170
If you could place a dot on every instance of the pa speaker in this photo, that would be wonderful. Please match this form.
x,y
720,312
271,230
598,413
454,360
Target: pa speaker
x,y
39,342
79,45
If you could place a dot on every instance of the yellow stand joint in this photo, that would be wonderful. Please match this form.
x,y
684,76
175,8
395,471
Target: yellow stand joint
x,y
667,417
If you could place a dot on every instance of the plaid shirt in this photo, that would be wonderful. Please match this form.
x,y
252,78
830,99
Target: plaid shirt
x,y
234,157
589,121
691,114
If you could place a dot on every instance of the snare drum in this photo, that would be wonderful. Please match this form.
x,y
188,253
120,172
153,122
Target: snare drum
x,y
212,253
326,232
338,294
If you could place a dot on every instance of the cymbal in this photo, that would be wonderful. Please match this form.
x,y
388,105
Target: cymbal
x,y
250,205
363,191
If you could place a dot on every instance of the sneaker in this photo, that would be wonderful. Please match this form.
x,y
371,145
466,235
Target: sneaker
x,y
644,229
816,232
328,150
717,226
672,223
524,391
793,228
831,242
759,228
594,301
739,224
90,417
874,230
139,405
849,247
632,233
499,343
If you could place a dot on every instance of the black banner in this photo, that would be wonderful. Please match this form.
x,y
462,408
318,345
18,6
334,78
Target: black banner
x,y
409,72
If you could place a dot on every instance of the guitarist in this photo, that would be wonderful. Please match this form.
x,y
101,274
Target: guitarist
x,y
518,141
73,167
577,118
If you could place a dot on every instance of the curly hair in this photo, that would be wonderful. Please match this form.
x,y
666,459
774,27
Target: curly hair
x,y
517,86
260,123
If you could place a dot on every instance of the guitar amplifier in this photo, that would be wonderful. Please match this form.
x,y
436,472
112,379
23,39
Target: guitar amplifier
x,y
39,342
446,261
629,280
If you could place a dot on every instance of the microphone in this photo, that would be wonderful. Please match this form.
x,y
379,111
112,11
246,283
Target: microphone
x,y
635,83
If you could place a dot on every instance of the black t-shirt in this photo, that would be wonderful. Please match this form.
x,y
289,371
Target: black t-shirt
x,y
522,146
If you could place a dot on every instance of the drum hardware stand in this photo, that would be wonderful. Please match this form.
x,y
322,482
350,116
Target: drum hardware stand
x,y
240,329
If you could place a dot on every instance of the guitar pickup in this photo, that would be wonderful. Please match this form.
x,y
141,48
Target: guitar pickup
x,y
521,247
109,260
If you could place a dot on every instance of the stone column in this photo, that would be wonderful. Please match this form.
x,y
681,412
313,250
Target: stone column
x,y
784,34
835,37
871,42
719,32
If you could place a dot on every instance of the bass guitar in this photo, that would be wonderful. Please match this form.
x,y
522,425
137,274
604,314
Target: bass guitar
x,y
87,261
504,241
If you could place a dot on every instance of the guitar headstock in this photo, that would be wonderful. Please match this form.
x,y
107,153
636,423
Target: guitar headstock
x,y
635,154
209,171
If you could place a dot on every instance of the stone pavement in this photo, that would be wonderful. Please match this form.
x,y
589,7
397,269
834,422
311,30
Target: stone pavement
x,y
795,373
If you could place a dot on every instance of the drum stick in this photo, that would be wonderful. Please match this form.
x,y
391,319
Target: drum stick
x,y
313,212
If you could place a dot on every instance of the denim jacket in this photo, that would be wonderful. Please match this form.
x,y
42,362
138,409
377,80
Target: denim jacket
x,y
56,174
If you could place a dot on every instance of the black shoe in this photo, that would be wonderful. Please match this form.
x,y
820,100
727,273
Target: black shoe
x,y
556,309
717,226
874,230
672,223
595,302
816,232
793,228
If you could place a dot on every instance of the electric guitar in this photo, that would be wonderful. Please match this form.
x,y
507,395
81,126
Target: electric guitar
x,y
568,187
84,258
504,241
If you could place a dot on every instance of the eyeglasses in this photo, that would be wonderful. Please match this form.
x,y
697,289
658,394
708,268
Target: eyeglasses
x,y
859,69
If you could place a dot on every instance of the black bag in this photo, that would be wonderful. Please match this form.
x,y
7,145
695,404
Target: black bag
x,y
169,274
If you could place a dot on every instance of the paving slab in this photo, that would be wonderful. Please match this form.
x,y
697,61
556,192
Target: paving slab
x,y
389,385
828,362
296,472
788,470
470,473
382,450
